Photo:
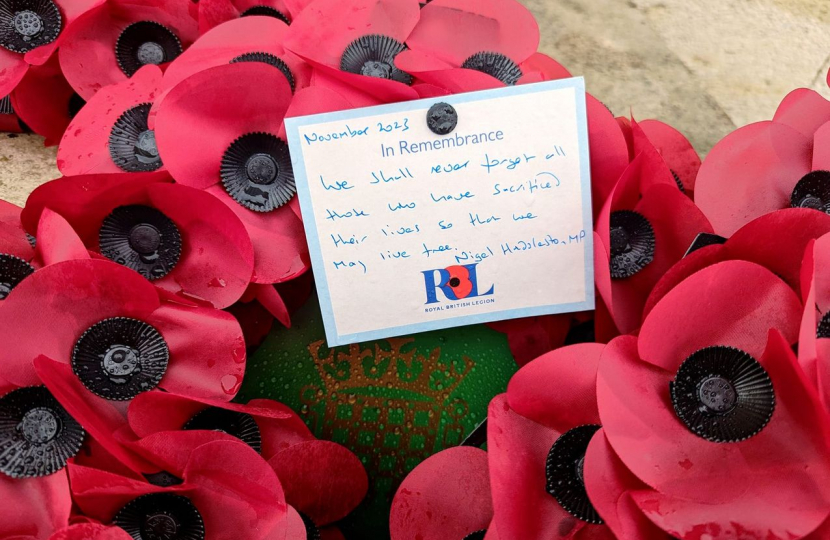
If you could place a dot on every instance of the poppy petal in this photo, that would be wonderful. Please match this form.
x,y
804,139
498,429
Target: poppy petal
x,y
676,150
57,241
446,496
321,479
268,296
280,249
37,506
821,155
12,69
534,336
542,64
609,151
91,531
207,351
220,104
217,259
235,490
558,389
84,148
804,110
751,172
454,30
609,485
734,303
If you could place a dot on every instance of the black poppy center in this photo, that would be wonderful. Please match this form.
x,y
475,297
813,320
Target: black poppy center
x,y
812,191
233,423
75,104
262,169
163,479
39,425
161,516
256,172
564,470
823,330
717,394
141,238
132,144
455,282
13,270
37,435
632,243
160,526
266,11
477,535
496,65
119,358
722,394
145,43
28,24
374,56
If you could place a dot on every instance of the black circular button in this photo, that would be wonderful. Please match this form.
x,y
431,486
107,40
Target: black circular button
x,y
374,56
496,65
132,144
141,238
442,118
143,43
37,435
28,24
722,394
119,358
256,172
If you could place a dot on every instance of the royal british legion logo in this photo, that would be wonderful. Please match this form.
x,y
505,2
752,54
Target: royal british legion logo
x,y
455,283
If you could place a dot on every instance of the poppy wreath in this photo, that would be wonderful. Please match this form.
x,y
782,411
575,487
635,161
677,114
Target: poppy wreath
x,y
691,404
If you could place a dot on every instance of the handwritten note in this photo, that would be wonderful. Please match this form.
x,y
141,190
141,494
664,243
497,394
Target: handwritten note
x,y
412,231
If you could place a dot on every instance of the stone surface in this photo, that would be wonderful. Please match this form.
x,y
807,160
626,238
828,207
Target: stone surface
x,y
705,67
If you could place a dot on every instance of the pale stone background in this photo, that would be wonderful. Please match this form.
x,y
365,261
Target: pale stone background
x,y
704,66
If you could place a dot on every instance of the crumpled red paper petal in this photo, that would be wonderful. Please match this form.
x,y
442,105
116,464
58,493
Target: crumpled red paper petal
x,y
35,507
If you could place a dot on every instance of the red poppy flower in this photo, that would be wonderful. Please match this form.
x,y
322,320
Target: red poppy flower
x,y
183,239
108,337
532,337
249,39
110,134
357,46
776,241
13,239
446,497
646,226
240,156
609,151
769,165
215,12
37,30
729,436
227,491
537,436
322,480
36,507
468,44
108,44
45,101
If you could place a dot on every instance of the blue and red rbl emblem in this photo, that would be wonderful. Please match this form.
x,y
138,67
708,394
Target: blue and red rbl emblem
x,y
456,282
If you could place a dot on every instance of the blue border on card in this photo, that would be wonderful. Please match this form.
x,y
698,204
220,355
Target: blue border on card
x,y
333,338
